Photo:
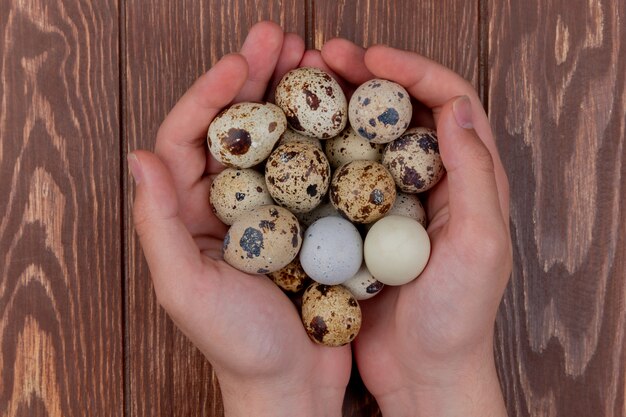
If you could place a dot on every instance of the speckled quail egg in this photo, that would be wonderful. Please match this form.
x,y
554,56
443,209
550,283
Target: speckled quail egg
x,y
362,191
332,250
349,146
297,176
396,250
363,285
292,136
244,134
408,205
264,240
237,191
291,278
323,210
330,314
313,102
414,161
380,110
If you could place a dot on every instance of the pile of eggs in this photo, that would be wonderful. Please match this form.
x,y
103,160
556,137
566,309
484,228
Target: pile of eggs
x,y
338,221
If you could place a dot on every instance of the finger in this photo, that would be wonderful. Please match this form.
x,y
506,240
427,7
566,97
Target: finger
x,y
180,142
471,179
167,245
313,58
261,49
347,60
290,57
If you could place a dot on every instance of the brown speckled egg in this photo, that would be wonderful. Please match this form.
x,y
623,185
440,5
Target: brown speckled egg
x,y
264,240
323,210
313,102
330,314
348,146
409,205
380,110
237,191
414,161
363,285
244,134
291,278
297,176
362,191
292,136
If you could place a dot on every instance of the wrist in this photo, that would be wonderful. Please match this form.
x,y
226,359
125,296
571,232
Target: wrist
x,y
467,389
280,398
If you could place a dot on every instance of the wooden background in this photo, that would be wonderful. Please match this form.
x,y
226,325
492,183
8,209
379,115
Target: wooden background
x,y
82,83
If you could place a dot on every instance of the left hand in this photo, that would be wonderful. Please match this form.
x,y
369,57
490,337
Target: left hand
x,y
246,327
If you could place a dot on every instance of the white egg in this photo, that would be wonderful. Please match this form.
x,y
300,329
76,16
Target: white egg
x,y
332,250
396,250
363,285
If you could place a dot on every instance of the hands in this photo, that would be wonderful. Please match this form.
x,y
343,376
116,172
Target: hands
x,y
426,347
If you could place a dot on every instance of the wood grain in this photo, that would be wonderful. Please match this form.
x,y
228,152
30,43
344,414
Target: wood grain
x,y
446,31
168,45
558,105
60,234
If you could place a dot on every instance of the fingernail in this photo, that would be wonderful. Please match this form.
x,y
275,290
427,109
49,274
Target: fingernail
x,y
462,109
135,167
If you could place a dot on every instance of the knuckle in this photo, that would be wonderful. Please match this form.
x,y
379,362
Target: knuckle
x,y
488,242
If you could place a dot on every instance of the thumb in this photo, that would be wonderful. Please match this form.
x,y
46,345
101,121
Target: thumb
x,y
472,188
171,253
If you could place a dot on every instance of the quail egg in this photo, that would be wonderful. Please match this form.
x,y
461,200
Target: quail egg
x,y
291,278
297,176
349,146
262,241
380,110
330,314
313,102
414,161
362,191
363,285
237,191
244,134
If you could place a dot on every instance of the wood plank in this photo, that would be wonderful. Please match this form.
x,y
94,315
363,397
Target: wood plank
x,y
168,45
446,31
60,232
558,106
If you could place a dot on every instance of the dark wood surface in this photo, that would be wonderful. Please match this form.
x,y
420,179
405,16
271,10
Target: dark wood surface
x,y
81,85
61,330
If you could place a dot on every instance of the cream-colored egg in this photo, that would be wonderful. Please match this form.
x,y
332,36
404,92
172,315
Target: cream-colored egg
x,y
348,146
313,102
396,250
380,110
263,240
362,191
244,134
414,161
237,191
330,314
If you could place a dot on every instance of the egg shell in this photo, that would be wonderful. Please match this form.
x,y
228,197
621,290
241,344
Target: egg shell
x,y
408,205
362,191
414,160
297,176
262,241
396,250
332,250
244,134
291,278
380,110
292,136
313,102
325,209
348,146
363,285
236,191
330,314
